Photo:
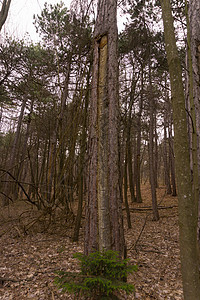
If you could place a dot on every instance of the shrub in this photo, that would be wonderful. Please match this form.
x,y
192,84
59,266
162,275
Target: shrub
x,y
101,275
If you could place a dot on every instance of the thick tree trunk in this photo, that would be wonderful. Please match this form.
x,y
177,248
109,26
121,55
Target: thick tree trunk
x,y
104,230
194,42
187,205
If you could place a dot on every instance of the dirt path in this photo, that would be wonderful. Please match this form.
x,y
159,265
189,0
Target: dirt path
x,y
28,262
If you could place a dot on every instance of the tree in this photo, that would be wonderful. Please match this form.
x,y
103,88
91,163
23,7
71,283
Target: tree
x,y
187,202
4,12
104,224
151,150
194,67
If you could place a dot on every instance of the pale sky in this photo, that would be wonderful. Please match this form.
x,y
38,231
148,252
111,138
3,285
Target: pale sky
x,y
20,19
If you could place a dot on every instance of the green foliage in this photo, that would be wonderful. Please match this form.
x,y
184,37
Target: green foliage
x,y
101,275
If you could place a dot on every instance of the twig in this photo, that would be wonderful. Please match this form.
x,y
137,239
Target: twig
x,y
21,186
135,244
52,293
150,208
145,221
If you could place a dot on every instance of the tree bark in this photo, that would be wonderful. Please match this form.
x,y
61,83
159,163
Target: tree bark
x,y
194,51
104,230
187,205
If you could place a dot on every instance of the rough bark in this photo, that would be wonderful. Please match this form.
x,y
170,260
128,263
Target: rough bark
x,y
187,204
194,43
105,229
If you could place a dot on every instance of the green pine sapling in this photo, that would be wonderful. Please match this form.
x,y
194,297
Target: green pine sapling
x,y
100,276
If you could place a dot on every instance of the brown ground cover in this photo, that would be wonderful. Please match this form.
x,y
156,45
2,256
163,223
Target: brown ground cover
x,y
30,253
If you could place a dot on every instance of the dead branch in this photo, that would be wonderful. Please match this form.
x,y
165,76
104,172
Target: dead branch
x,y
150,208
20,185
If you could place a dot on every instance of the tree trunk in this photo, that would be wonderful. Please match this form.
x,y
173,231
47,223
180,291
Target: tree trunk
x,y
104,230
126,189
151,153
156,156
138,145
187,205
165,160
194,43
172,160
82,164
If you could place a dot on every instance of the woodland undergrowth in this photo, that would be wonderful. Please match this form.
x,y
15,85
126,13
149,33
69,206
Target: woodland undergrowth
x,y
34,245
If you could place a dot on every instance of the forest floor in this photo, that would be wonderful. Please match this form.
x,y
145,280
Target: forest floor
x,y
29,256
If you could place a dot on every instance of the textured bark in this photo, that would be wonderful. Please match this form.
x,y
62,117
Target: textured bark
x,y
194,43
105,229
91,227
102,166
187,204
